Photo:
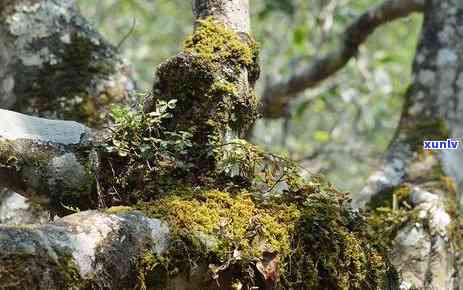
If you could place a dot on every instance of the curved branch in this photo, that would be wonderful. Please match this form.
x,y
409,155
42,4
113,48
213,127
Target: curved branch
x,y
277,95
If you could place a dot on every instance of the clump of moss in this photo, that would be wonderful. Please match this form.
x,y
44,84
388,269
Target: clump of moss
x,y
319,242
215,42
385,223
231,222
332,248
391,210
221,230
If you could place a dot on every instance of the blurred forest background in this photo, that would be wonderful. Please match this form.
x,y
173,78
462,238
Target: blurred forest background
x,y
340,128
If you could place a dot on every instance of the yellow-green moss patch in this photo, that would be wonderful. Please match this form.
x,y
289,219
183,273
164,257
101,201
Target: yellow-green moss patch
x,y
319,242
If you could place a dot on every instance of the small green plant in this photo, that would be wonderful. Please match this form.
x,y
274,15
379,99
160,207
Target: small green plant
x,y
140,151
139,133
267,172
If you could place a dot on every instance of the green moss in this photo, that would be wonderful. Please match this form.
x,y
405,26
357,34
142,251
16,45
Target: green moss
x,y
385,223
119,209
16,271
319,243
391,210
219,44
333,250
228,219
416,129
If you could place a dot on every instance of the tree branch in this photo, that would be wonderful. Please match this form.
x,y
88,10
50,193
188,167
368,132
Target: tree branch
x,y
277,95
46,160
53,64
234,14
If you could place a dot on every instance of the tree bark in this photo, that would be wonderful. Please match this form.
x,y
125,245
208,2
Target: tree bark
x,y
426,249
81,251
235,14
54,64
46,160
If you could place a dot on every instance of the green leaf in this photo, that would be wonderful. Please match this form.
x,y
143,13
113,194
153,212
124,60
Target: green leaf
x,y
300,35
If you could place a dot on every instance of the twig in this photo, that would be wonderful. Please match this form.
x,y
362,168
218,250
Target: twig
x,y
126,36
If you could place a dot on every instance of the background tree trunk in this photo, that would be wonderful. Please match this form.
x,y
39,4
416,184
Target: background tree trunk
x,y
54,65
426,248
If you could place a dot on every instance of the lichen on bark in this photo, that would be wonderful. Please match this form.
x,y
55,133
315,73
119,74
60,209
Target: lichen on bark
x,y
56,65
